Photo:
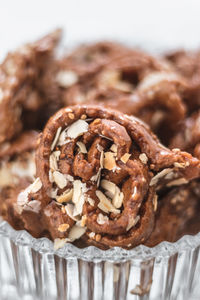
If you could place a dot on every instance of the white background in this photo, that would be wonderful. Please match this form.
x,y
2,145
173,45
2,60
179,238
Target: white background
x,y
151,24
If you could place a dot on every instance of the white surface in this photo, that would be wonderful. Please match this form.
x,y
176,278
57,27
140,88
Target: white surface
x,y
151,24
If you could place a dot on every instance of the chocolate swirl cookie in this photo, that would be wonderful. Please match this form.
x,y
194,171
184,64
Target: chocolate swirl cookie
x,y
134,83
20,98
98,171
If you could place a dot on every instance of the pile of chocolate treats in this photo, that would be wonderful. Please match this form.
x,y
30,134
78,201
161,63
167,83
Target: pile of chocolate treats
x,y
100,146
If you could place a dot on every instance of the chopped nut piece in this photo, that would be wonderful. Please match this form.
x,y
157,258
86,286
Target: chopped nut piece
x,y
103,207
82,147
69,208
99,148
63,227
97,237
143,158
101,159
109,161
134,192
113,192
91,235
76,232
63,139
78,196
22,198
170,175
83,117
113,148
181,165
97,177
56,138
71,116
63,209
178,181
79,206
54,157
109,186
118,198
59,179
90,201
66,78
83,220
161,174
132,222
77,184
176,150
155,202
59,243
77,128
101,219
33,205
156,77
65,197
35,186
69,177
105,204
53,193
125,157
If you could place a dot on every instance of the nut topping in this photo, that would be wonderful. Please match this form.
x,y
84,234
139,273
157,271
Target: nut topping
x,y
66,78
65,197
143,158
56,138
109,161
125,157
59,179
82,147
63,227
77,129
105,205
76,232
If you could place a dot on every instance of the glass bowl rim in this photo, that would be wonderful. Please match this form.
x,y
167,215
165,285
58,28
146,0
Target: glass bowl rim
x,y
91,253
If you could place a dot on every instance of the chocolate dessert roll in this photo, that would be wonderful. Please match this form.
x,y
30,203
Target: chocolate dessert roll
x,y
136,84
157,100
88,60
122,73
20,99
73,74
98,171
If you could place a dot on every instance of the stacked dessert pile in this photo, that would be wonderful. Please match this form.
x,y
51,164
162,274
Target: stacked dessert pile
x,y
81,158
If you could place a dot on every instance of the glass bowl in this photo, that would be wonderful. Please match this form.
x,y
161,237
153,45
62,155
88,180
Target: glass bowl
x,y
31,269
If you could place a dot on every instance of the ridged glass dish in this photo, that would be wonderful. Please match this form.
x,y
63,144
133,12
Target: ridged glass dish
x,y
31,269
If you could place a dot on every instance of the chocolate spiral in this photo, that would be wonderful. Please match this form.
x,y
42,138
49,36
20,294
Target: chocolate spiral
x,y
99,170
136,84
20,73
